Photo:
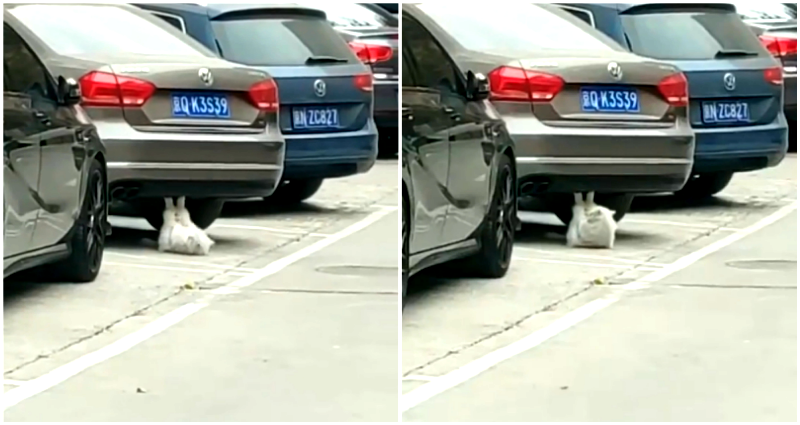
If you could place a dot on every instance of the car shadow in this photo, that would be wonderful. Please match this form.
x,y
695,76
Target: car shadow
x,y
668,202
245,208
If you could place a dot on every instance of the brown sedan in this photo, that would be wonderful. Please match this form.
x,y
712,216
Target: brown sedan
x,y
175,119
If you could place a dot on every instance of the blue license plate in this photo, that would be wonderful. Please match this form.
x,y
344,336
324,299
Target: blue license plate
x,y
726,112
194,105
315,118
611,100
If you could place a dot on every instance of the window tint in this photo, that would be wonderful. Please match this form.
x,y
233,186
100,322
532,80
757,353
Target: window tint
x,y
100,29
349,15
279,41
765,10
689,35
408,79
23,72
435,71
175,22
580,14
526,26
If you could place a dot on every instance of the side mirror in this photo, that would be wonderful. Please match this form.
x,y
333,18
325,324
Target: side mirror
x,y
477,86
69,91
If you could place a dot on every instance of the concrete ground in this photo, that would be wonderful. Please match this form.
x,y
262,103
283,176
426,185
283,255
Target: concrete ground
x,y
691,317
290,318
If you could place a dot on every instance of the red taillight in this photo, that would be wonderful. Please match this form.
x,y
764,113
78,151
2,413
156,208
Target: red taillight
x,y
521,85
106,89
371,53
774,75
675,89
779,46
363,82
264,95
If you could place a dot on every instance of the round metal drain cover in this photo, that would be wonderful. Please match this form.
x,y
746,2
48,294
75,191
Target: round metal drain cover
x,y
777,265
368,271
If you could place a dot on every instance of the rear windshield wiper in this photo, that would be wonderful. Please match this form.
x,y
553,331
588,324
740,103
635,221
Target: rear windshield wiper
x,y
324,59
734,53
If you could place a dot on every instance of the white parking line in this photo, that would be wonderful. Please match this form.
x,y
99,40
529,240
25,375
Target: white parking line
x,y
470,370
177,269
587,256
681,224
581,263
64,372
271,230
171,261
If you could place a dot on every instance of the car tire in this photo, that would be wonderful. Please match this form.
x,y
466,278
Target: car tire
x,y
405,248
87,241
294,191
705,185
620,203
497,235
203,211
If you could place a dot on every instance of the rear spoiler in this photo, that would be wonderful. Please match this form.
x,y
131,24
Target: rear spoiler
x,y
278,10
644,8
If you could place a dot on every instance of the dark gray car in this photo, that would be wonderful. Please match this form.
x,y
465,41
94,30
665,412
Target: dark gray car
x,y
55,188
585,114
175,119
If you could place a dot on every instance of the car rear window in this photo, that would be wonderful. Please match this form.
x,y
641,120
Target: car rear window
x,y
350,15
263,40
101,29
689,35
518,27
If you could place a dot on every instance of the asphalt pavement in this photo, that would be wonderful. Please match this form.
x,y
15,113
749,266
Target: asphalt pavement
x,y
289,318
691,317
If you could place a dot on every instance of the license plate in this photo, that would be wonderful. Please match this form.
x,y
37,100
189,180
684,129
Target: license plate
x,y
186,105
612,100
726,112
315,118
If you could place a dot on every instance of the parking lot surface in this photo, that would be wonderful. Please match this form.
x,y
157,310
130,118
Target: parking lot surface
x,y
288,318
692,316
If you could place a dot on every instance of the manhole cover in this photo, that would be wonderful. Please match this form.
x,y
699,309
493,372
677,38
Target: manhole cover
x,y
764,264
369,271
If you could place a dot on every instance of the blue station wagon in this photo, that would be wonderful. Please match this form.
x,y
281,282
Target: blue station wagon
x,y
735,84
325,92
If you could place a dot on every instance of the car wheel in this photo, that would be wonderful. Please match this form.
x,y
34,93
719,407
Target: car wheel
x,y
705,185
405,248
295,191
88,239
499,227
620,203
203,211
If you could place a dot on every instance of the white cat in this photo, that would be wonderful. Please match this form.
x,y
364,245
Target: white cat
x,y
178,233
592,225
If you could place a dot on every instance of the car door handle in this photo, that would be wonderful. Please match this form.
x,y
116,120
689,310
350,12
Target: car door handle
x,y
455,116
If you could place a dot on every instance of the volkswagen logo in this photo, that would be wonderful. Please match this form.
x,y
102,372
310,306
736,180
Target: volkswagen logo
x,y
730,82
319,88
615,70
205,76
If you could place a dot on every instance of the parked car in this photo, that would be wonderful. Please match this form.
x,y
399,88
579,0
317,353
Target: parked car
x,y
735,85
585,114
325,90
459,174
372,34
175,119
55,184
775,24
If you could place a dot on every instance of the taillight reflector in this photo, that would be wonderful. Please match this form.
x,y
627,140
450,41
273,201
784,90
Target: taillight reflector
x,y
264,95
779,46
371,53
521,85
106,89
675,89
774,75
363,82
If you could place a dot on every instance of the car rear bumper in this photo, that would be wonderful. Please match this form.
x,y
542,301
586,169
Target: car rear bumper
x,y
741,148
175,165
386,104
605,160
330,155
